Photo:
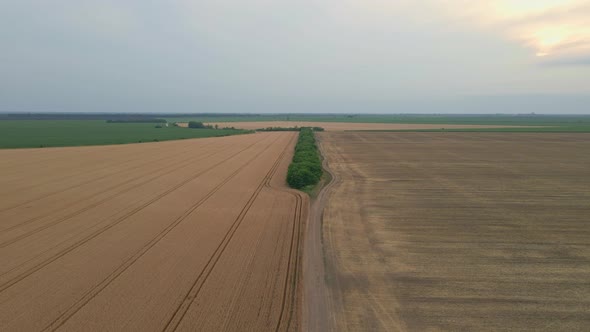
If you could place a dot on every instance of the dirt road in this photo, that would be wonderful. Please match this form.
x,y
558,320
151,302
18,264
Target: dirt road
x,y
185,235
316,313
458,232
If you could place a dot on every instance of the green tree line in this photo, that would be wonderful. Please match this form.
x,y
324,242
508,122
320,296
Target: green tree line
x,y
306,167
289,128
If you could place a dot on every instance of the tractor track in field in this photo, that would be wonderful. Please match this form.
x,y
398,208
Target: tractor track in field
x,y
79,243
122,268
181,310
210,240
290,287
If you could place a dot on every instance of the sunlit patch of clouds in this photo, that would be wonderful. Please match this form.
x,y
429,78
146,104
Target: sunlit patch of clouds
x,y
551,29
555,29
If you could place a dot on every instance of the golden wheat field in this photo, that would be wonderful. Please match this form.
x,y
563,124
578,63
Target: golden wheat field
x,y
191,235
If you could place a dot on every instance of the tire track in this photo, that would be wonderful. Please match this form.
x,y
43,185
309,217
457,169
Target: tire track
x,y
289,298
77,244
292,271
288,303
189,298
86,298
184,162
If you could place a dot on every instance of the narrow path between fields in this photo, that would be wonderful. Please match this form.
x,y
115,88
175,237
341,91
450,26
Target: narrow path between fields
x,y
315,297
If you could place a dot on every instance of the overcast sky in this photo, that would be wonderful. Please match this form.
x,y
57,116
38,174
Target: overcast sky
x,y
360,56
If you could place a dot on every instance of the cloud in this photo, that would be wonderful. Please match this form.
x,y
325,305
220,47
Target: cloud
x,y
232,55
550,28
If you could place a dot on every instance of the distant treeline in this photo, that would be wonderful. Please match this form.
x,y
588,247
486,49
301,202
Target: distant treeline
x,y
115,116
78,116
140,120
306,168
290,128
362,117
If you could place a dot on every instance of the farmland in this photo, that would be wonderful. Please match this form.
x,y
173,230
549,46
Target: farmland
x,y
191,235
490,119
79,129
344,126
430,122
433,229
52,133
457,231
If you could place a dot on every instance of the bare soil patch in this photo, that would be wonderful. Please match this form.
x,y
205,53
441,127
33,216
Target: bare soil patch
x,y
457,231
193,235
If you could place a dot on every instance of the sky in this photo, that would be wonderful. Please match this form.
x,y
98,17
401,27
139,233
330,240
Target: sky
x,y
274,56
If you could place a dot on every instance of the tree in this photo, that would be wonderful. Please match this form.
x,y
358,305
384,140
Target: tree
x,y
298,176
196,125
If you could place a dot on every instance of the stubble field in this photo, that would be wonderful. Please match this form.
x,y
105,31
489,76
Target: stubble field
x,y
193,235
458,232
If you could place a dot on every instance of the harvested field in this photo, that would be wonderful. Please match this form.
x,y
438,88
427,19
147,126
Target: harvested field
x,y
192,235
458,232
341,126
